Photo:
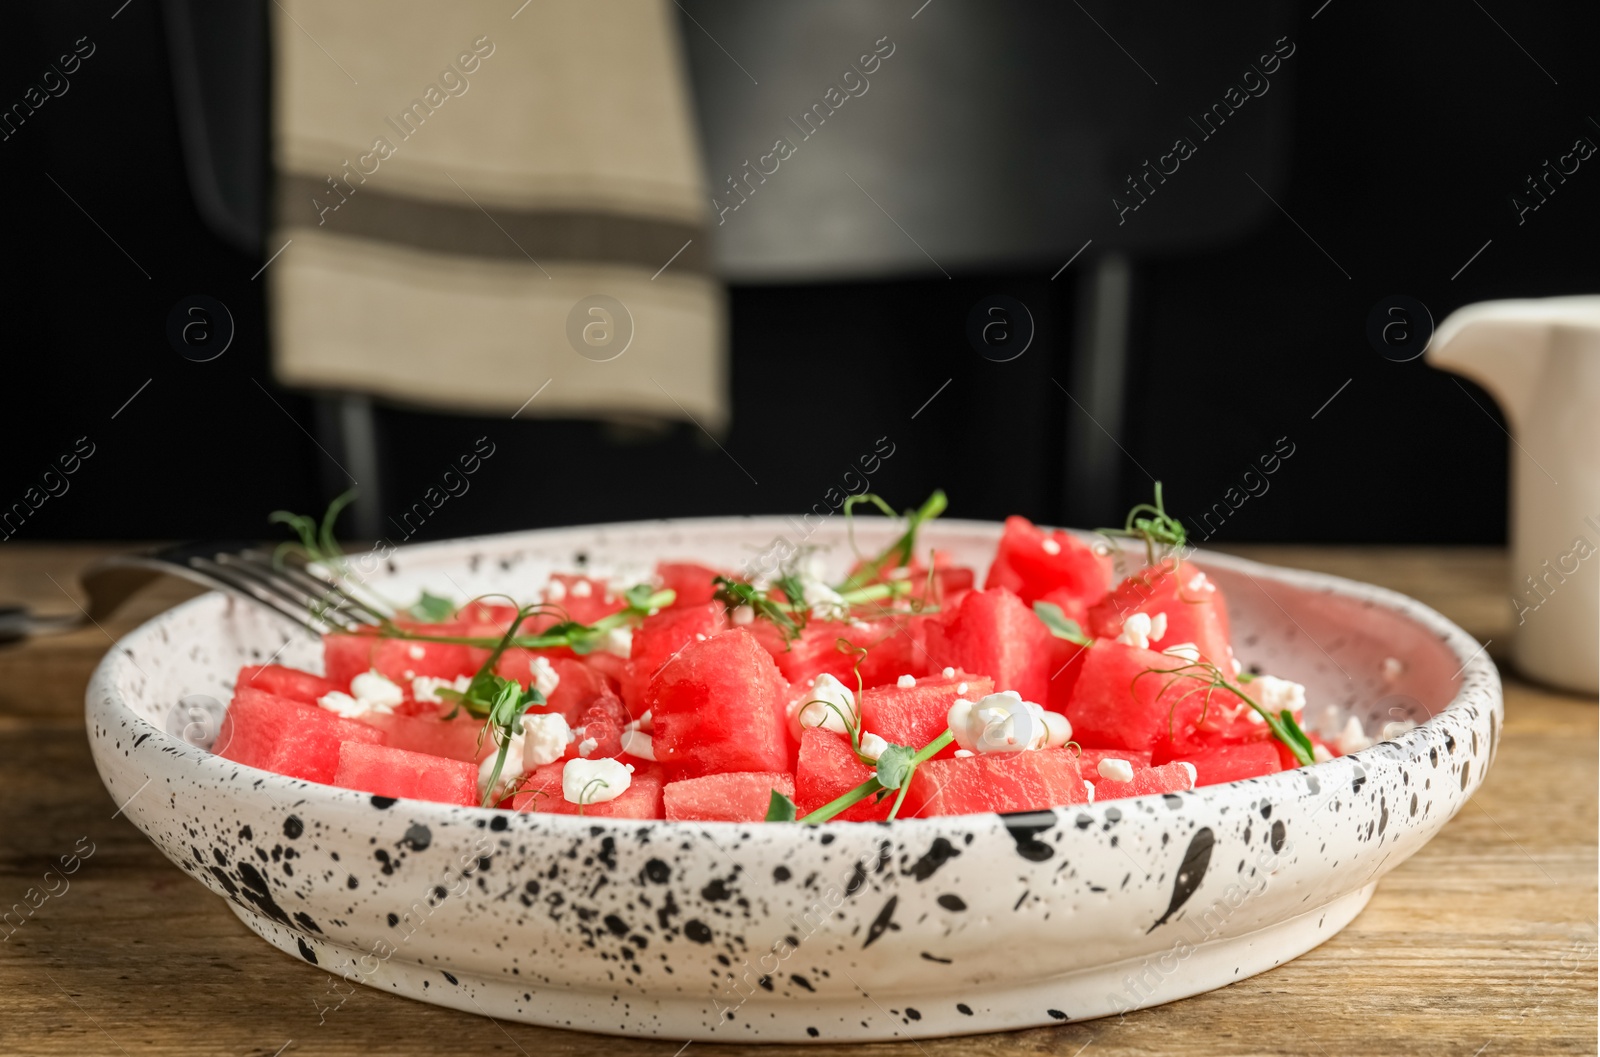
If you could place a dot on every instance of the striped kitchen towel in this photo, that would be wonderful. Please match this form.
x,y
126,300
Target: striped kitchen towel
x,y
477,202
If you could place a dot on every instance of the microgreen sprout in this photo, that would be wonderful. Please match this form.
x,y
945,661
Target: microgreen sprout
x,y
895,768
584,799
1061,625
1157,528
432,609
1282,724
901,551
791,614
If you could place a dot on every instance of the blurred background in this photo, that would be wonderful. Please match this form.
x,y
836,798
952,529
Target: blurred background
x,y
971,265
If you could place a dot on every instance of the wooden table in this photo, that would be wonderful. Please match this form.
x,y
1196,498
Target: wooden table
x,y
1484,943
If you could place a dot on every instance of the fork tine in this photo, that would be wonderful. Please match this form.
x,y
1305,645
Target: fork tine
x,y
230,580
264,580
296,569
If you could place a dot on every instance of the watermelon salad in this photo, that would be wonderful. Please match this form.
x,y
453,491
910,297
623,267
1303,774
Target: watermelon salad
x,y
913,687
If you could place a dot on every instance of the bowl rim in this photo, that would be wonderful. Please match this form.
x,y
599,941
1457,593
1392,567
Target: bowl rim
x,y
1477,680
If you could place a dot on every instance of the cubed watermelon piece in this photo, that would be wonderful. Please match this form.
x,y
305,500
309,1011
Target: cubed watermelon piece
x,y
287,682
733,797
1066,665
1000,782
994,633
385,771
691,582
1229,762
1195,609
718,706
827,769
461,738
659,638
602,723
1089,759
346,656
1034,563
401,660
541,792
287,737
891,651
577,685
1129,698
916,715
1146,780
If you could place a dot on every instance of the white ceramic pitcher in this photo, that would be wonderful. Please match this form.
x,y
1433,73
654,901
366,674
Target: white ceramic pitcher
x,y
1541,360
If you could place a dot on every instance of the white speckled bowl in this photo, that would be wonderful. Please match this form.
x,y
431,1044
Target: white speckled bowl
x,y
921,927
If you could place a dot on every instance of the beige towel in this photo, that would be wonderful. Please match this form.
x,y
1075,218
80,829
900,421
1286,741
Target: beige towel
x,y
467,191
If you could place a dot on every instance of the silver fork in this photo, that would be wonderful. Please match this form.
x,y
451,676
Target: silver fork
x,y
289,586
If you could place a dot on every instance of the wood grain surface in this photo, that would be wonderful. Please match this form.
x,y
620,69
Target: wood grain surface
x,y
1481,945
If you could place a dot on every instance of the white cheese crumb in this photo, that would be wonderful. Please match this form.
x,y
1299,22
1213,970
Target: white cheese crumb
x,y
582,589
617,641
825,602
743,616
375,688
586,746
342,704
510,772
594,781
1158,627
545,738
646,722
1275,695
1320,753
900,572
1115,770
962,754
416,652
949,673
555,591
1136,631
1197,582
1050,546
1393,669
872,746
906,682
1353,738
1194,775
637,743
425,688
1088,787
1187,651
1004,722
812,709
961,688
545,677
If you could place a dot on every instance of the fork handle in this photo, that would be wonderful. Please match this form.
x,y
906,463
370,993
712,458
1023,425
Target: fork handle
x,y
18,623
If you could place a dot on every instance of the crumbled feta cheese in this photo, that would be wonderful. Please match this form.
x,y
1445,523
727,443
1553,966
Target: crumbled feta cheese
x,y
1393,669
1003,722
825,602
826,705
425,688
961,688
545,737
545,677
582,589
1088,788
594,781
376,690
1187,651
1394,728
962,754
555,591
637,743
1275,695
900,572
1353,738
1330,722
743,616
1136,631
617,641
1194,775
1050,546
586,746
872,746
646,722
906,682
341,703
1320,753
416,652
1197,582
1115,770
509,772
1158,627
1237,667
949,673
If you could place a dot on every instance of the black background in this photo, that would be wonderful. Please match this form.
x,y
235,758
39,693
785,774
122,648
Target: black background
x,y
1412,125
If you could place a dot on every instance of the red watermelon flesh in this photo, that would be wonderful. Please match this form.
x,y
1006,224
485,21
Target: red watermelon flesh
x,y
1229,762
454,739
541,793
691,582
1146,780
918,714
288,737
384,771
602,722
1034,563
346,656
718,706
577,685
827,769
1196,611
584,599
1128,698
287,682
1001,781
657,639
733,797
993,633
1089,759
1066,665
891,651
401,660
